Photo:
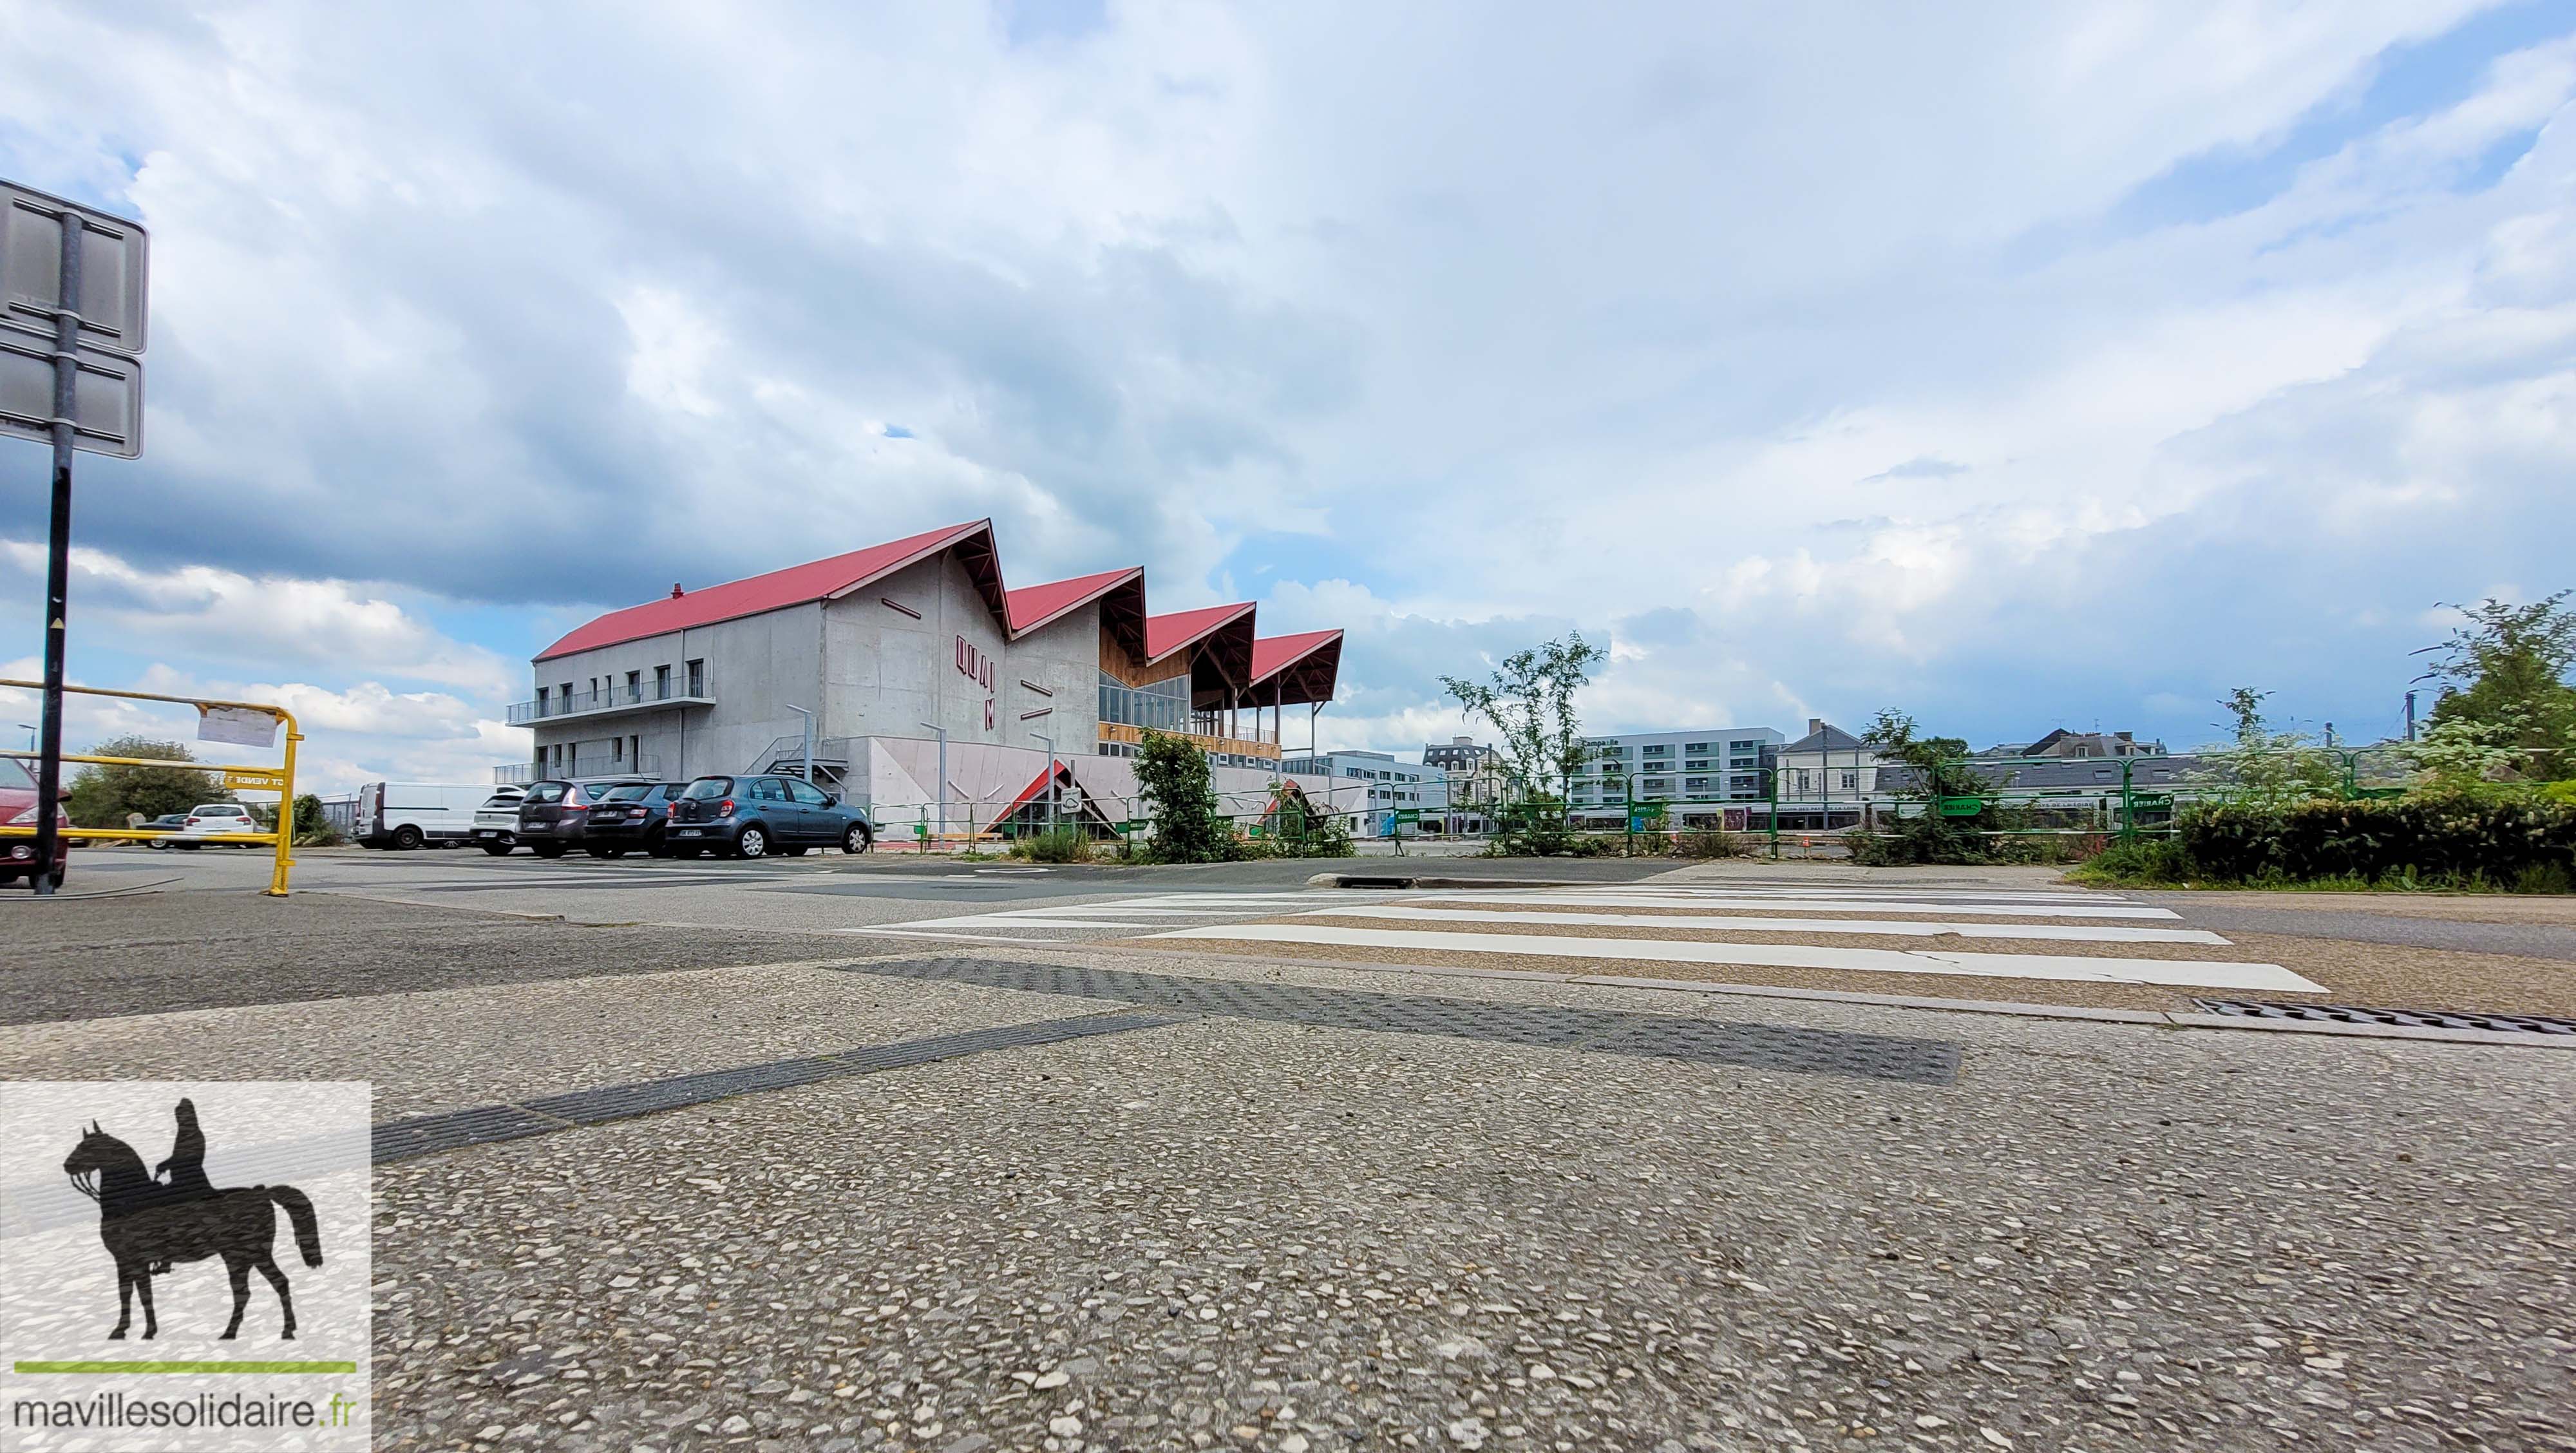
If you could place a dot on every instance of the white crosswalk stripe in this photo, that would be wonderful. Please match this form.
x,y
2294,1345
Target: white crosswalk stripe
x,y
1120,918
2072,933
2191,973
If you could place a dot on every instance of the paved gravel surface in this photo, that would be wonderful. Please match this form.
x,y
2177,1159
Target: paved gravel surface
x,y
1239,1234
154,953
2526,939
452,1048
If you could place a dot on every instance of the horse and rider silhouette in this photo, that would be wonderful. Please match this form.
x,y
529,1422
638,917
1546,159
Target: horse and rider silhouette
x,y
150,1225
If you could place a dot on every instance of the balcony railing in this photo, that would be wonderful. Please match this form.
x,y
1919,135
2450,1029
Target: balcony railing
x,y
580,768
554,706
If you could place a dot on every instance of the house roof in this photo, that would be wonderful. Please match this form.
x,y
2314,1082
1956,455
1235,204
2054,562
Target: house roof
x,y
796,585
1828,739
1033,606
1227,665
1295,670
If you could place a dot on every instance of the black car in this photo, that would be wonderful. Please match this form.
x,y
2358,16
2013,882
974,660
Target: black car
x,y
555,815
631,816
752,817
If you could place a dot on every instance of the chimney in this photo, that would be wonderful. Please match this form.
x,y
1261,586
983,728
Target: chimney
x,y
675,590
1815,724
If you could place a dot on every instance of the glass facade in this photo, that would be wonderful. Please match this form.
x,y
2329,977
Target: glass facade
x,y
1163,706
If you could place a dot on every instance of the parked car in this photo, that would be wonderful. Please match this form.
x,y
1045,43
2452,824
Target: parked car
x,y
496,822
409,815
632,816
209,818
752,817
554,817
166,822
18,809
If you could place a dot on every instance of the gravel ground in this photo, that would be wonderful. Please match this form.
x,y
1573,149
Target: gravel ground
x,y
158,952
2535,937
453,1048
1927,986
1248,1235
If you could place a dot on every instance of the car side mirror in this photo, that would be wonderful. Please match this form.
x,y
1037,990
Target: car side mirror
x,y
62,794
830,799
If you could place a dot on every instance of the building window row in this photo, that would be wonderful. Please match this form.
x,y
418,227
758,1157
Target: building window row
x,y
1163,706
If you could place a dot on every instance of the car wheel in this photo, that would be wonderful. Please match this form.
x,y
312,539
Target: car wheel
x,y
547,850
751,842
500,849
858,839
407,837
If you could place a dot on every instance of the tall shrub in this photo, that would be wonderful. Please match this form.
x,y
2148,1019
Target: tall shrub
x,y
2506,843
1172,774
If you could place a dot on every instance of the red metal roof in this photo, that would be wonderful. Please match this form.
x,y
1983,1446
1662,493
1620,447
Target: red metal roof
x,y
1034,605
795,585
1270,654
1165,634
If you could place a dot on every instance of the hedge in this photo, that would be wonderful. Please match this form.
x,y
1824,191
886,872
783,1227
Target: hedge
x,y
2429,837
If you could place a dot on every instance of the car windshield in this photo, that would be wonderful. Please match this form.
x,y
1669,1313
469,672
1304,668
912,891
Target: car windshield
x,y
632,792
501,799
709,787
15,777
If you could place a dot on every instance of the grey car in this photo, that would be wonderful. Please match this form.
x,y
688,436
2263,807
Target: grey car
x,y
752,817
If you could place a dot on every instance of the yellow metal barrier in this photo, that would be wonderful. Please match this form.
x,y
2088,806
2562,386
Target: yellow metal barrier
x,y
279,779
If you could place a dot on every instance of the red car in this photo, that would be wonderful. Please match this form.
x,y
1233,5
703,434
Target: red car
x,y
18,809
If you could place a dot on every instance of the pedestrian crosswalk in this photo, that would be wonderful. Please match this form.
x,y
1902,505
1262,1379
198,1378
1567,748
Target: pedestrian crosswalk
x,y
1119,918
2041,935
2098,938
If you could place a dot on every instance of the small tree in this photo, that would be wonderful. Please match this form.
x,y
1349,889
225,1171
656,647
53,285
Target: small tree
x,y
1172,774
2507,670
2264,768
1530,704
1939,769
104,796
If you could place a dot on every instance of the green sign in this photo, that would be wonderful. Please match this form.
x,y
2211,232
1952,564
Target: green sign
x,y
1408,814
1961,806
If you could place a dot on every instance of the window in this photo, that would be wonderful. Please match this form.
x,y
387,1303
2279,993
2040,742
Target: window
x,y
698,677
634,686
545,792
1695,784
631,792
1851,781
617,749
706,787
661,683
1806,780
1163,706
567,696
804,792
541,701
1695,747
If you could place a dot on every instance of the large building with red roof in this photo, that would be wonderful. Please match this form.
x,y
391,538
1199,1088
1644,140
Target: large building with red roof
x,y
892,646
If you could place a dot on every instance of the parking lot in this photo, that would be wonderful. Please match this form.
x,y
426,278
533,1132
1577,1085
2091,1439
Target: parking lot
x,y
1602,1154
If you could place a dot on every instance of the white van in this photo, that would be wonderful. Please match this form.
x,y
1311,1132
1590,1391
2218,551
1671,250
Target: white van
x,y
414,814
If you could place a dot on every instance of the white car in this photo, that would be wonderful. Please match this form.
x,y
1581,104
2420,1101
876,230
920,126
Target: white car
x,y
496,822
209,818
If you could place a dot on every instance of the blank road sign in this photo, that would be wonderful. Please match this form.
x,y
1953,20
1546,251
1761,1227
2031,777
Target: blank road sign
x,y
107,396
31,267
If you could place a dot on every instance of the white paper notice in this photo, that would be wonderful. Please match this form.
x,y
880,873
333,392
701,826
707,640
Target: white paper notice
x,y
243,726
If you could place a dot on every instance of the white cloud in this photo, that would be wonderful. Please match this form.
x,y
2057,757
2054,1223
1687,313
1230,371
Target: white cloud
x,y
1824,325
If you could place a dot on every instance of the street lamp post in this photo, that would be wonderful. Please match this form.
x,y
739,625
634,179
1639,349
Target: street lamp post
x,y
1048,742
942,733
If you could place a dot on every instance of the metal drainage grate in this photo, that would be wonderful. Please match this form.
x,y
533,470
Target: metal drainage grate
x,y
2410,1018
428,1134
1659,1036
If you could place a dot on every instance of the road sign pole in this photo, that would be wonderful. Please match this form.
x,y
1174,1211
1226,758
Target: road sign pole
x,y
58,556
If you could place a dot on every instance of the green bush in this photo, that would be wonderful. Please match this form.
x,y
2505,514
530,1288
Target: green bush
x,y
1058,845
2138,860
1709,842
2428,838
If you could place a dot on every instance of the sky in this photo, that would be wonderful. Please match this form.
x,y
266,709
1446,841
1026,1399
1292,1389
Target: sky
x,y
2015,366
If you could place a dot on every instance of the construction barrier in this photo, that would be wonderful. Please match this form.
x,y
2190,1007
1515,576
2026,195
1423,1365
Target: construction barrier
x,y
279,779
